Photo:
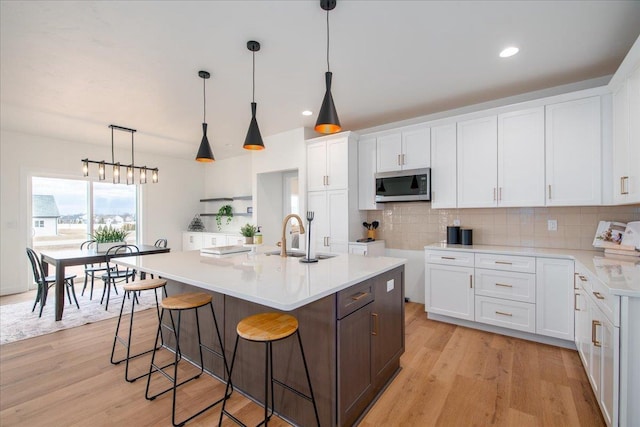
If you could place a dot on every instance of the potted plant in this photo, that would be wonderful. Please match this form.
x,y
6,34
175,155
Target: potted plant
x,y
248,231
107,237
225,210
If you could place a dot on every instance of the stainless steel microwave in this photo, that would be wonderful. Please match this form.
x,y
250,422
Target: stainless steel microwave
x,y
403,186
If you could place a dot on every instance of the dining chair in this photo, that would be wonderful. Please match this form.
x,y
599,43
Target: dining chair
x,y
116,274
160,243
45,282
90,270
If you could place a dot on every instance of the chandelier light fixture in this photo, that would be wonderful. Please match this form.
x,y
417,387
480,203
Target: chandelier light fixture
x,y
253,140
116,166
205,154
328,121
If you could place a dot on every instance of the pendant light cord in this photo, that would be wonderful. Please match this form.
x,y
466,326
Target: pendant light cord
x,y
112,156
253,95
328,69
204,99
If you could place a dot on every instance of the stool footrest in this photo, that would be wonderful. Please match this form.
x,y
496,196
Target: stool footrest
x,y
292,390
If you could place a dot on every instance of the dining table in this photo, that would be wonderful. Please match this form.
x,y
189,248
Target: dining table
x,y
69,257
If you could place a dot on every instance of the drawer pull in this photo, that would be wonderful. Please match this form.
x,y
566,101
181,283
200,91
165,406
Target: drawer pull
x,y
504,285
502,313
594,324
359,295
375,324
598,295
504,262
447,257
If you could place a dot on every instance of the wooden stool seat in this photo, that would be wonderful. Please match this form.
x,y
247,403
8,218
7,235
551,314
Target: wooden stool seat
x,y
144,285
267,327
186,301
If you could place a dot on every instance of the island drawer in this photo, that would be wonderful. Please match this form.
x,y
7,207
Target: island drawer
x,y
522,264
351,299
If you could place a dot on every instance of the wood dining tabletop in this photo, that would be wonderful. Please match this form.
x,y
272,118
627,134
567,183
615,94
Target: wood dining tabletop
x,y
68,257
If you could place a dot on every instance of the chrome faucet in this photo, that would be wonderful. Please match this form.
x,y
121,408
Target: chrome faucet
x,y
283,241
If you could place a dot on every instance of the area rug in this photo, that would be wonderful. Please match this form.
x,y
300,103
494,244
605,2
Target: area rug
x,y
17,322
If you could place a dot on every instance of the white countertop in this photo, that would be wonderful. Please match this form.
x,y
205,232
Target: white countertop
x,y
621,276
280,283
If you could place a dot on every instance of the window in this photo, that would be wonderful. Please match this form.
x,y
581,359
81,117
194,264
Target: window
x,y
65,212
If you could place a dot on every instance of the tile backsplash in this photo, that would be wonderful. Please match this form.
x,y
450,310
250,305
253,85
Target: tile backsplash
x,y
414,225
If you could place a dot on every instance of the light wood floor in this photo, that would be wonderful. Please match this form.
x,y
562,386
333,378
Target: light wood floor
x,y
451,376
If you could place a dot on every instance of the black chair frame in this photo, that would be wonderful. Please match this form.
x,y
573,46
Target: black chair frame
x,y
90,270
115,273
45,282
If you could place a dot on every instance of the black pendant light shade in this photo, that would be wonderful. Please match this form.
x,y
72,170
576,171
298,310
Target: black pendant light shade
x,y
253,140
328,121
205,153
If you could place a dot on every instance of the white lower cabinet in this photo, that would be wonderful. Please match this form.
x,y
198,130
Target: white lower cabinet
x,y
194,240
191,241
449,291
554,298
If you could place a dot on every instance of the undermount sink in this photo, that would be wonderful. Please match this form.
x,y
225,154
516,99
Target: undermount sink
x,y
298,254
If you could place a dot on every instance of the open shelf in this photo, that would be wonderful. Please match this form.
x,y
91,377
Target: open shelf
x,y
227,199
234,214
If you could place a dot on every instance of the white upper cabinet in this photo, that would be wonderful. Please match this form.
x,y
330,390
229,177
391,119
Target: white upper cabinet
x,y
406,149
477,162
573,153
327,167
443,166
367,173
626,140
521,158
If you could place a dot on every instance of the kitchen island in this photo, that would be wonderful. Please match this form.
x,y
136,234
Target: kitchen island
x,y
350,310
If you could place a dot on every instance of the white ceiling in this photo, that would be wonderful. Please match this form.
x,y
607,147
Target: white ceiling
x,y
69,69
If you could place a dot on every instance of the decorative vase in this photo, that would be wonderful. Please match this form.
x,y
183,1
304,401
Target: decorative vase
x,y
104,247
248,240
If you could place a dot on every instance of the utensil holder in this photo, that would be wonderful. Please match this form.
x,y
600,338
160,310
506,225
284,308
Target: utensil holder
x,y
371,234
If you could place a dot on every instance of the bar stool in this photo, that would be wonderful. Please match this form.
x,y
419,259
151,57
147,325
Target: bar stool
x,y
132,290
268,328
180,303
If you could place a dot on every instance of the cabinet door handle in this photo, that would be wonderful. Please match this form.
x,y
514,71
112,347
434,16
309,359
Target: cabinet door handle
x,y
504,262
494,194
447,257
375,323
575,302
359,295
598,295
502,313
470,281
404,161
504,285
594,324
399,162
327,180
624,188
549,187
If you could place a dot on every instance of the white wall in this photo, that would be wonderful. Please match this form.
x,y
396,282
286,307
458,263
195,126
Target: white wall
x,y
165,210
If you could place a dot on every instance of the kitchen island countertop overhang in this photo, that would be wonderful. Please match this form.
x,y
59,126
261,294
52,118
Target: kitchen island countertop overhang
x,y
276,282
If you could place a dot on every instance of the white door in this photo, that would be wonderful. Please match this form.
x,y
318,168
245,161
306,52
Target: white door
x,y
582,327
316,165
416,148
620,143
443,166
477,162
338,210
389,152
521,158
633,182
337,163
610,345
317,202
555,298
366,174
449,291
573,153
594,373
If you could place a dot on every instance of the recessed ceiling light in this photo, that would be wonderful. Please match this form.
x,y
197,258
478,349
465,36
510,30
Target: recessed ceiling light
x,y
510,51
307,113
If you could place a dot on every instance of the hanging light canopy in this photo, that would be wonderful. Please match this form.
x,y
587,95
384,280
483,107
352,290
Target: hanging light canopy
x,y
116,172
328,121
253,140
205,154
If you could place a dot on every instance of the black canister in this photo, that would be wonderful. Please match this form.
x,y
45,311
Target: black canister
x,y
466,236
453,235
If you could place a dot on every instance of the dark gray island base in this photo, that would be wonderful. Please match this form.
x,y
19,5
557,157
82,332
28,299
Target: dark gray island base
x,y
352,339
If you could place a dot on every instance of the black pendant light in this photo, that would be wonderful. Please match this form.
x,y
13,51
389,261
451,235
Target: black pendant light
x,y
253,140
205,154
328,121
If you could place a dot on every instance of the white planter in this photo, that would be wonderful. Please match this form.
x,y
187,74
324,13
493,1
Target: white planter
x,y
104,247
